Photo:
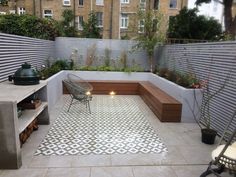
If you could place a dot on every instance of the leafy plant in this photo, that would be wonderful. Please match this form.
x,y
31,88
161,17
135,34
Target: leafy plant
x,y
125,37
90,28
183,79
194,26
105,68
55,67
153,33
123,59
107,58
91,54
67,28
28,25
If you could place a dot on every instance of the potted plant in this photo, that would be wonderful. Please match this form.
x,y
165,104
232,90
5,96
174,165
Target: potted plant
x,y
208,133
205,119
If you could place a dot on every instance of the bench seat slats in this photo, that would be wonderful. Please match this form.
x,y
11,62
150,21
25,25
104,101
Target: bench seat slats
x,y
165,107
156,92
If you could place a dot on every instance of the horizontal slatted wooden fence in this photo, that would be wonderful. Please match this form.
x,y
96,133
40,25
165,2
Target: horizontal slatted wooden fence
x,y
15,50
216,61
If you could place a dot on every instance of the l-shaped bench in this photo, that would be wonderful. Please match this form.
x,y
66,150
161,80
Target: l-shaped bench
x,y
165,107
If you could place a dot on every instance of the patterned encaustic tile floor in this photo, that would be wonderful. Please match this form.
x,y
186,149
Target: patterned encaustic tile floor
x,y
115,126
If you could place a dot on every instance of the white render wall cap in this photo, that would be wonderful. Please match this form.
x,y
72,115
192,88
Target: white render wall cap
x,y
16,93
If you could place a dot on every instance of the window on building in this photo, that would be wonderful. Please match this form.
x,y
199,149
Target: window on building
x,y
141,26
81,2
79,22
124,1
99,2
47,13
173,4
12,11
156,4
66,2
143,4
21,10
124,21
99,19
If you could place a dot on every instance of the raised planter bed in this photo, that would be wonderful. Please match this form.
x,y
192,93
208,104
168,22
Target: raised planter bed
x,y
188,97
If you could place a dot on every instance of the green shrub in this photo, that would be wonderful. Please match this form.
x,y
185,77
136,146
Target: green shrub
x,y
28,25
162,72
105,68
56,67
107,59
171,75
183,79
123,59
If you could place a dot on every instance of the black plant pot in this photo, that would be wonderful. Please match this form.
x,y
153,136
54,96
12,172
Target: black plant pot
x,y
208,136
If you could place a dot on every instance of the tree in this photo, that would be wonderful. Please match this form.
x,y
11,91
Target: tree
x,y
90,28
188,25
67,29
229,20
151,32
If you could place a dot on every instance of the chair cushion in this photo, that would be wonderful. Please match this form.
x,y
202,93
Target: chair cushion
x,y
234,144
230,152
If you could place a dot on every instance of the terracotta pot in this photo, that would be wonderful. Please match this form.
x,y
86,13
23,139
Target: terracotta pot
x,y
208,136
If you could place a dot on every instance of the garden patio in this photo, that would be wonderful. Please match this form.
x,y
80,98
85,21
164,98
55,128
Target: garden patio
x,y
185,154
122,137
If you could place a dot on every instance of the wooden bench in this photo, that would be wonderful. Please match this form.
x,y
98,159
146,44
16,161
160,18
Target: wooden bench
x,y
119,87
165,107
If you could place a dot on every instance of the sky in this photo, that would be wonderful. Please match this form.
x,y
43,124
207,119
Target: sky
x,y
213,9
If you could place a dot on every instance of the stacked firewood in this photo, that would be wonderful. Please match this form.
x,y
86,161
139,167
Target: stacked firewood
x,y
27,132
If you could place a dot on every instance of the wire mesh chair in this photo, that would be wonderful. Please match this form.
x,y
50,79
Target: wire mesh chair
x,y
79,90
224,156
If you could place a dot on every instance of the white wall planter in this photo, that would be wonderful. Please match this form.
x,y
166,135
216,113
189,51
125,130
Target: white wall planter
x,y
108,75
183,95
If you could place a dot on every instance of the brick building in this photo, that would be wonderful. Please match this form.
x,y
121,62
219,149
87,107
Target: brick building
x,y
113,16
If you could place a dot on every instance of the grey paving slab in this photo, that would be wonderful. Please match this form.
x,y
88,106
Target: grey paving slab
x,y
172,157
196,154
135,159
24,173
91,160
52,161
189,171
194,171
157,171
68,172
111,172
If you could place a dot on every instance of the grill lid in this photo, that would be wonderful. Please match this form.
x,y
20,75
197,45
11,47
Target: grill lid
x,y
25,75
